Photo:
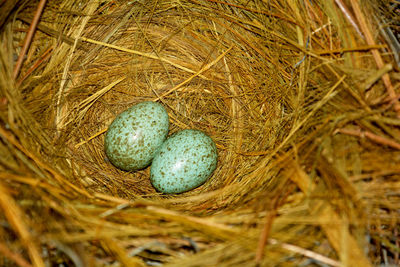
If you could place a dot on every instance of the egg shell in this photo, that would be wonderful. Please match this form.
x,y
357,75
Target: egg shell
x,y
135,135
185,161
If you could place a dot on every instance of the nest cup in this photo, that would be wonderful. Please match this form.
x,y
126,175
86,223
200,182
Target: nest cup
x,y
200,67
273,83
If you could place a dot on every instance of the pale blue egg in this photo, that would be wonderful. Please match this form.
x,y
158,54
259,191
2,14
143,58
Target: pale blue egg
x,y
185,161
135,135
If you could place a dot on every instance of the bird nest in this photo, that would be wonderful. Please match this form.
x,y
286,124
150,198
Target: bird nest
x,y
300,98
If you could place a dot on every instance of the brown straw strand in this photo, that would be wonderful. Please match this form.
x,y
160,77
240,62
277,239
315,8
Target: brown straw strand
x,y
43,58
264,236
28,38
373,137
378,58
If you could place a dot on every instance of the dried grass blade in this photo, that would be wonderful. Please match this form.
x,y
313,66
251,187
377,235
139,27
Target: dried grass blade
x,y
205,68
93,98
32,181
53,33
322,102
378,59
335,232
14,216
113,30
121,254
306,252
10,138
44,57
59,107
346,50
324,213
376,76
84,106
216,229
91,137
4,250
135,52
109,198
349,16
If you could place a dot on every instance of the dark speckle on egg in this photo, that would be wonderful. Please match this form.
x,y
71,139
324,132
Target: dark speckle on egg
x,y
135,135
185,161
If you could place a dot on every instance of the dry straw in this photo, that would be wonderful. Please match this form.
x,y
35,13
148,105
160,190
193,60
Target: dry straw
x,y
301,98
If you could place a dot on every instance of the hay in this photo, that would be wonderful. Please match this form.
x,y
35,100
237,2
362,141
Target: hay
x,y
298,96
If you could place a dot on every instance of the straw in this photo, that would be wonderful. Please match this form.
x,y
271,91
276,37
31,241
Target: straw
x,y
300,98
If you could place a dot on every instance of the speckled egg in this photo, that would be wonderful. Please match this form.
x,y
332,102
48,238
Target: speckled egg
x,y
184,162
135,135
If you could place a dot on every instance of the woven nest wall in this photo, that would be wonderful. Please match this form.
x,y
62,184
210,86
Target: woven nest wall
x,y
299,96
